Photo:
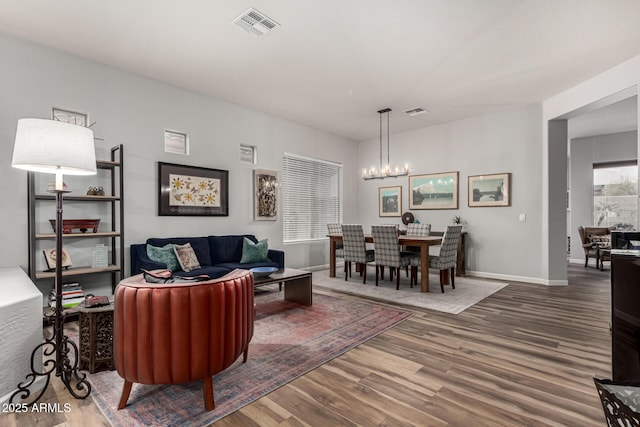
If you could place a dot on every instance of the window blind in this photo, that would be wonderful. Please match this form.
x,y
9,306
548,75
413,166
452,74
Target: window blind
x,y
311,197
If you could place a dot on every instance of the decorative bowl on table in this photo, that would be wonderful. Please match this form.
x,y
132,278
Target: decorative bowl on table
x,y
259,272
82,224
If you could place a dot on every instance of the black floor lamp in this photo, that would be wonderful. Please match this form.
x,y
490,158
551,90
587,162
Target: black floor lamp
x,y
50,146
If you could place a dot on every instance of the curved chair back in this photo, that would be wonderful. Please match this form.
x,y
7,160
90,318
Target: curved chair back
x,y
355,248
449,248
414,229
387,245
181,332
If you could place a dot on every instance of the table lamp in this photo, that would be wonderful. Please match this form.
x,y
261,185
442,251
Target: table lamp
x,y
50,146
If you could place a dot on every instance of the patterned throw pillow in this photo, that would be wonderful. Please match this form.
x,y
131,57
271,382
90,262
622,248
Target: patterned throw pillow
x,y
254,252
165,255
186,257
601,241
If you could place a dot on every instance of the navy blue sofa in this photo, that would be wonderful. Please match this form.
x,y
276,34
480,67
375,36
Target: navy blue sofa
x,y
217,255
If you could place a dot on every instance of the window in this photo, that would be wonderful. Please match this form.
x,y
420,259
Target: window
x,y
311,197
615,195
176,142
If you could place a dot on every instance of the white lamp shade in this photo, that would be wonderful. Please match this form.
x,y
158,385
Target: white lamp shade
x,y
51,146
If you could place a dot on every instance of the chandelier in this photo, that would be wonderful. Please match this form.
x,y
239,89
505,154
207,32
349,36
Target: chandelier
x,y
385,171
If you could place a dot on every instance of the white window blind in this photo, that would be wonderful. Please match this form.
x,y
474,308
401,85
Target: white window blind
x,y
311,197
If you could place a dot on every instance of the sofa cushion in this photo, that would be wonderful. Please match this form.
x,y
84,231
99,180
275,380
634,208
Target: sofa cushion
x,y
186,257
200,246
164,254
227,248
254,252
248,266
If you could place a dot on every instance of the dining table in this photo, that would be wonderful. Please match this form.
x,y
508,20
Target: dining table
x,y
422,242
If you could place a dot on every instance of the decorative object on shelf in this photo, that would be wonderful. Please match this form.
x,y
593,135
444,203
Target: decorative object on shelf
x,y
82,224
434,191
91,191
408,218
192,191
67,116
99,191
490,190
390,201
51,146
265,195
50,259
99,256
385,171
259,272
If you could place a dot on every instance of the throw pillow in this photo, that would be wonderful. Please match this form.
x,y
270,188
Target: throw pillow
x,y
254,252
165,255
186,257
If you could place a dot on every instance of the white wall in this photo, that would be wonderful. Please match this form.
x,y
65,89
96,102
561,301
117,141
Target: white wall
x,y
134,111
618,79
498,245
584,153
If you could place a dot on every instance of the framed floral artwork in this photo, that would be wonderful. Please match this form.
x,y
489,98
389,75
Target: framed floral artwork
x,y
390,201
265,195
192,191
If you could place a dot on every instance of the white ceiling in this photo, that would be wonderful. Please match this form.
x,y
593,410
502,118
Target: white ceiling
x,y
333,63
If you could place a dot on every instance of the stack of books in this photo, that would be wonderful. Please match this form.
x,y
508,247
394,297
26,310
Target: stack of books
x,y
72,295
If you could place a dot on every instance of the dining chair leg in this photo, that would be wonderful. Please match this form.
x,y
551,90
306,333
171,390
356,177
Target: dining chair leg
x,y
377,273
442,279
347,269
382,272
397,278
453,278
363,271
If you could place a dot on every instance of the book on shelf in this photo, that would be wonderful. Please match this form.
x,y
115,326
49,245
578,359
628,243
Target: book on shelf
x,y
72,295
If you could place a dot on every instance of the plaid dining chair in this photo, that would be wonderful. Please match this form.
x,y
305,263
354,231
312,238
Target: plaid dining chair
x,y
355,250
388,253
337,229
445,261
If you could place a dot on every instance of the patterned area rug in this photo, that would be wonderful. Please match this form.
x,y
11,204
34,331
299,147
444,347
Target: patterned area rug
x,y
468,291
289,340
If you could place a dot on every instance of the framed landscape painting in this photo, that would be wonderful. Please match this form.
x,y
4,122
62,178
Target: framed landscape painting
x,y
390,201
265,197
192,191
490,190
434,191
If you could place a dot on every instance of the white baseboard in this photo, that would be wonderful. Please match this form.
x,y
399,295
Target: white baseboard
x,y
479,274
512,278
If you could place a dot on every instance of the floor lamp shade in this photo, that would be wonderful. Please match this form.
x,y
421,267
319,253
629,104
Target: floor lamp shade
x,y
51,146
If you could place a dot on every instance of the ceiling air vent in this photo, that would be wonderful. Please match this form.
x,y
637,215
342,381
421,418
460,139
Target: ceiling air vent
x,y
255,22
415,111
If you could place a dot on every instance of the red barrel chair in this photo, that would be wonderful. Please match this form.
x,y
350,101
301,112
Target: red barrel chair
x,y
181,332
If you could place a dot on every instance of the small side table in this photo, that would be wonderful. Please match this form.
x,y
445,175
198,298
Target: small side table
x,y
96,337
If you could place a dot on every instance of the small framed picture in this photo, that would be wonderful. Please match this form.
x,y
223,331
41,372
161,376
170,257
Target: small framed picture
x,y
490,190
265,195
390,201
68,116
50,259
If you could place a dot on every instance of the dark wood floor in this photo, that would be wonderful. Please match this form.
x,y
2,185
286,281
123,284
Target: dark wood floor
x,y
525,356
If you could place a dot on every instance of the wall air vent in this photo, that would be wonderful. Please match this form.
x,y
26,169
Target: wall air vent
x,y
255,22
415,111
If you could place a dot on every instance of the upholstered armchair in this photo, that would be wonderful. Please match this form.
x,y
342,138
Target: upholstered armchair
x,y
180,332
593,239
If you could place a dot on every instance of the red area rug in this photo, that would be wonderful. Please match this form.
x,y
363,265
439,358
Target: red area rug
x,y
289,340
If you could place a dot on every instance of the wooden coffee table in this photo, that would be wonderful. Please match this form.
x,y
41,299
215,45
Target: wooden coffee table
x,y
297,284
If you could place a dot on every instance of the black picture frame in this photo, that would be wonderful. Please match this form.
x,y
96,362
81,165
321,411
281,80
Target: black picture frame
x,y
192,191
